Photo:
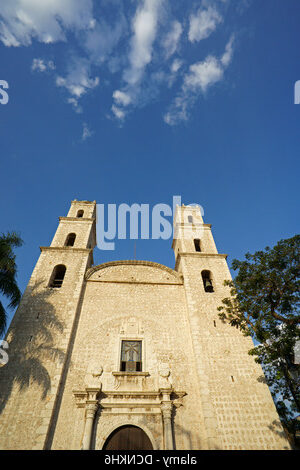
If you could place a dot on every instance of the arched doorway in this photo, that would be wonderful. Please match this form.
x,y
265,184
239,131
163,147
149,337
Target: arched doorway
x,y
128,438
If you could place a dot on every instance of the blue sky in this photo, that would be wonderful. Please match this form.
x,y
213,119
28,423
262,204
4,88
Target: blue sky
x,y
134,102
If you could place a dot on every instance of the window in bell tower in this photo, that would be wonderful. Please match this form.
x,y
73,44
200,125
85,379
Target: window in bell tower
x,y
70,239
207,281
197,244
58,275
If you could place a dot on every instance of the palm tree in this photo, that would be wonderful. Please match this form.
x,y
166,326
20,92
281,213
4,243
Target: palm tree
x,y
8,271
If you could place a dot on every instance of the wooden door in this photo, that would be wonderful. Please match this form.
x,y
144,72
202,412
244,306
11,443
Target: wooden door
x,y
128,438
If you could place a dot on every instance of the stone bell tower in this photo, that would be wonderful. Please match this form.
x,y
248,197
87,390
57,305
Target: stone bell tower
x,y
238,409
41,333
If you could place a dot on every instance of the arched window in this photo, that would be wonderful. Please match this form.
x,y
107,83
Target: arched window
x,y
197,244
58,275
190,219
207,281
70,240
80,213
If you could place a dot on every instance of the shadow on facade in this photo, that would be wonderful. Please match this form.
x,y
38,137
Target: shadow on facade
x,y
191,441
31,344
276,428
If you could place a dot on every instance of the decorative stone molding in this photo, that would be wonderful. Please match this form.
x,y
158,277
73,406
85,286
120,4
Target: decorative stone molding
x,y
88,399
166,409
176,276
130,374
78,219
64,248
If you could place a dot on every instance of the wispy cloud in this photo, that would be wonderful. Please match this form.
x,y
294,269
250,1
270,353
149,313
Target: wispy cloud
x,y
86,132
42,65
144,27
78,80
100,41
197,80
118,112
24,20
121,98
203,23
171,41
137,50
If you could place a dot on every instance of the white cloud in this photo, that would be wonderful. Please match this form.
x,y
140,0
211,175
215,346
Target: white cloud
x,y
121,97
174,69
176,65
178,111
149,56
227,56
171,40
45,20
203,23
144,28
41,65
119,113
86,132
203,74
77,81
74,102
103,38
198,79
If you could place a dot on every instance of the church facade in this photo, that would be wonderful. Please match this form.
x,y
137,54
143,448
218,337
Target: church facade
x,y
131,354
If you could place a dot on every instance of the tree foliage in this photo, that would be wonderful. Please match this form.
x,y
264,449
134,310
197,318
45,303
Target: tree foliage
x,y
8,271
265,304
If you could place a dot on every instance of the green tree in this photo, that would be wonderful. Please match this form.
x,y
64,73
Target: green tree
x,y
8,271
265,304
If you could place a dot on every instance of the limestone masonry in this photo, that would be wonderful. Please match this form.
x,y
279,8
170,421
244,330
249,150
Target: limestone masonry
x,y
130,354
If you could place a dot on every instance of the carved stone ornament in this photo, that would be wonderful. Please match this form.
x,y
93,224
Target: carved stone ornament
x,y
164,376
92,378
166,409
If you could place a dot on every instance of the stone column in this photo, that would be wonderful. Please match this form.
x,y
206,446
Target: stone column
x,y
91,409
166,408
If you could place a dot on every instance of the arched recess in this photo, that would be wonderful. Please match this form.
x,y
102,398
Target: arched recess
x,y
57,276
207,281
128,437
70,240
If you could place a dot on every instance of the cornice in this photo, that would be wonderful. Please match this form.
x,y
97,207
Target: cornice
x,y
196,254
133,263
90,203
65,248
77,219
